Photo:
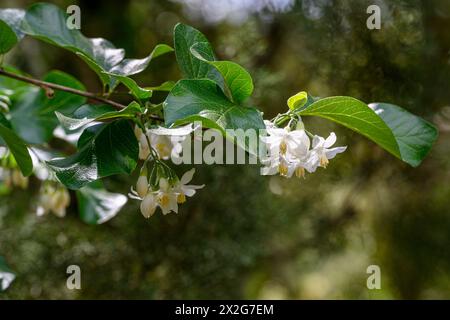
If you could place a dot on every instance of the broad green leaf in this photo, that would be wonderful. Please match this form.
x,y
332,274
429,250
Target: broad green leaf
x,y
238,81
203,100
96,205
32,112
84,115
137,92
414,135
104,150
298,100
166,86
192,68
89,113
14,18
7,276
17,147
98,53
8,38
357,116
130,67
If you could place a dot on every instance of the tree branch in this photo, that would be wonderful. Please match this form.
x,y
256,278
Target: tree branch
x,y
48,85
45,85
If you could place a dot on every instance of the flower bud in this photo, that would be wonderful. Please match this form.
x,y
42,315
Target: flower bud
x,y
148,205
142,186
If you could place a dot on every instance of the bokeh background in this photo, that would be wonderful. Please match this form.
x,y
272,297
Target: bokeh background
x,y
247,236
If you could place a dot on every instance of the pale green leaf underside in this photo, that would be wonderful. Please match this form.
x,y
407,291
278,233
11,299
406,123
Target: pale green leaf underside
x,y
96,205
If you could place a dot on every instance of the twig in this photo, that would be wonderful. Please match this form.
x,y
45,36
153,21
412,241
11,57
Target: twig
x,y
48,87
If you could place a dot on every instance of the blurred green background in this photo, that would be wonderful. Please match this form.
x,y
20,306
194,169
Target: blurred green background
x,y
247,236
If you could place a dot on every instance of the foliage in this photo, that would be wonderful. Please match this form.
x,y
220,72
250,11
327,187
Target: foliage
x,y
217,93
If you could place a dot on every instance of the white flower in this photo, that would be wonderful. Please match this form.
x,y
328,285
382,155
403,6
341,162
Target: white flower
x,y
53,199
321,151
288,151
167,198
282,140
167,142
182,188
148,205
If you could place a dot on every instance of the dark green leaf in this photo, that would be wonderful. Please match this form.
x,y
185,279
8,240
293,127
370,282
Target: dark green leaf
x,y
166,86
96,205
98,53
414,135
203,100
89,113
32,112
191,67
17,147
8,38
238,81
105,149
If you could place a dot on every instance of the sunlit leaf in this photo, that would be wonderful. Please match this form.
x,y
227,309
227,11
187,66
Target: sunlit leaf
x,y
192,68
414,135
238,81
89,113
203,100
404,135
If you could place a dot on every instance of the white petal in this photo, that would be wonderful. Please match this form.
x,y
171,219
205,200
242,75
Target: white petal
x,y
331,153
317,141
330,140
187,176
164,184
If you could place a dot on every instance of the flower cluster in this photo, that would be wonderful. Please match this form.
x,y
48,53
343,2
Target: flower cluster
x,y
13,178
54,198
166,143
290,151
167,195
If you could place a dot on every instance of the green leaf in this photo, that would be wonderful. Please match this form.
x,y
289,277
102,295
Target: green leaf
x,y
8,38
137,92
203,100
129,67
357,116
414,135
166,86
17,147
192,68
96,205
98,53
7,276
104,150
89,113
404,135
14,18
238,81
32,112
298,100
